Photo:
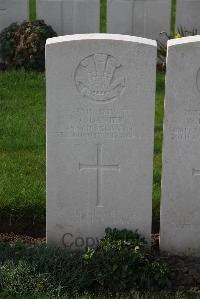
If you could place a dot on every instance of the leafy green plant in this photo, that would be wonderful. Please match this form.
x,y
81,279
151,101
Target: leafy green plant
x,y
162,44
65,269
23,46
121,263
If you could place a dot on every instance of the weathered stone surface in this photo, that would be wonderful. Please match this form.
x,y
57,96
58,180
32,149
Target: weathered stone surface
x,y
70,16
12,11
180,207
100,125
146,18
187,14
120,14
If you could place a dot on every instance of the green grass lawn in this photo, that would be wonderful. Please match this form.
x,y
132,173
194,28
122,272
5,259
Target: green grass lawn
x,y
22,144
103,14
160,91
32,9
150,296
173,17
136,296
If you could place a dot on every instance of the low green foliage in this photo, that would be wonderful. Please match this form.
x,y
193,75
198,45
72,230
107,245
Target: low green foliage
x,y
22,279
64,270
120,264
135,295
23,46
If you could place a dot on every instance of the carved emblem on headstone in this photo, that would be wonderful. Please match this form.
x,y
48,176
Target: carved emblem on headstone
x,y
100,78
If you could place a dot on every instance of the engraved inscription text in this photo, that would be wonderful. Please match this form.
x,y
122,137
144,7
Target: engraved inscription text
x,y
99,123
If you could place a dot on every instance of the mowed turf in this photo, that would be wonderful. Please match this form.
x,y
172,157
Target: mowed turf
x,y
32,9
162,295
22,145
158,133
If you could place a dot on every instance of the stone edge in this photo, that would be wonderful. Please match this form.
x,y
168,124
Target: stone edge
x,y
100,36
183,40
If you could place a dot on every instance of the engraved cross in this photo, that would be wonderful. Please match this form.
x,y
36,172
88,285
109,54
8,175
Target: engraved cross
x,y
99,167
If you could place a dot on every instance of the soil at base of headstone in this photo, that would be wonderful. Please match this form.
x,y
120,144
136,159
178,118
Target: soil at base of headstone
x,y
13,238
22,226
184,271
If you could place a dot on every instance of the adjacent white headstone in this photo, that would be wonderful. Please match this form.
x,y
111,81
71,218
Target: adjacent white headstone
x,y
180,207
70,16
120,14
187,14
13,11
146,18
100,127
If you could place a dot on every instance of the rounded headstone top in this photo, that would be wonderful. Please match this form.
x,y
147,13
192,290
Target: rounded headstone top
x,y
101,36
183,40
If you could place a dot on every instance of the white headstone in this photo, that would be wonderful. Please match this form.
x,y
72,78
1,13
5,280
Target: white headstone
x,y
13,11
180,207
120,14
146,18
70,16
100,127
187,14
